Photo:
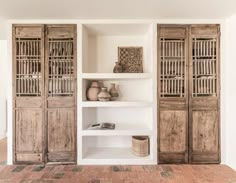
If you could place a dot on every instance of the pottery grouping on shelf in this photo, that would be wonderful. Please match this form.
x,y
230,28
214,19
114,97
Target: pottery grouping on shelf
x,y
95,92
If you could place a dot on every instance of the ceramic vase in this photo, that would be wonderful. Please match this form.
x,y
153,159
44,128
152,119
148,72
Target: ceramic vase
x,y
104,95
93,91
117,68
113,92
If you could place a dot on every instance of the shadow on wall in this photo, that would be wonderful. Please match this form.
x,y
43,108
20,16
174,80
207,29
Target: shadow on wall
x,y
4,82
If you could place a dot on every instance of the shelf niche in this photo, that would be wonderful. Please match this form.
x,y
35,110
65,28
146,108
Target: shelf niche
x,y
101,42
127,89
138,119
98,149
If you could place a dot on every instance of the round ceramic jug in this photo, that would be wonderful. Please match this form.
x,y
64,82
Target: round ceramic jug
x,y
113,92
104,95
93,91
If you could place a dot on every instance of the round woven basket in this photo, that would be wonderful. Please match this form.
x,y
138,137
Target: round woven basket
x,y
140,145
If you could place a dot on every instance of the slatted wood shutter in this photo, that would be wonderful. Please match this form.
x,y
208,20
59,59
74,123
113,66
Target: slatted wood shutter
x,y
172,94
44,93
204,101
61,93
188,126
28,93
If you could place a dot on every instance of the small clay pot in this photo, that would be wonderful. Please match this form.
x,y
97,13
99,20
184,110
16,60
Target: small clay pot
x,y
117,68
104,95
113,92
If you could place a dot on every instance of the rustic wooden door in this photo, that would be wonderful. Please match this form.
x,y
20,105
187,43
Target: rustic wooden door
x,y
60,89
204,98
28,93
172,94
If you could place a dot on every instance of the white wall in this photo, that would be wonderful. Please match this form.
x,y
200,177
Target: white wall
x,y
3,32
230,88
3,81
228,99
3,88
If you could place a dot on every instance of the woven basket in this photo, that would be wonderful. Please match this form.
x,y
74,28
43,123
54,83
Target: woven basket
x,y
140,145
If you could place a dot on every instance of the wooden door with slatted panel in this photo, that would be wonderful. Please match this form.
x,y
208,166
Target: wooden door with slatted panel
x,y
204,99
172,94
28,93
60,90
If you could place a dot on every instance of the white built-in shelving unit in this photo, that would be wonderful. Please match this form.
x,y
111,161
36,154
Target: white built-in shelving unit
x,y
134,111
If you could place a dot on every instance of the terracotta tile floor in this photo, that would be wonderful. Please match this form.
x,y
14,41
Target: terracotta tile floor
x,y
118,174
3,151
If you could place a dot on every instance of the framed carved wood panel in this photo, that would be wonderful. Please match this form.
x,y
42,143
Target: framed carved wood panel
x,y
131,59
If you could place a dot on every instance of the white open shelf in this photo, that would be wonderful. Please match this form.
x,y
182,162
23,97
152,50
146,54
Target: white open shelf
x,y
133,129
133,111
116,104
116,132
113,156
115,76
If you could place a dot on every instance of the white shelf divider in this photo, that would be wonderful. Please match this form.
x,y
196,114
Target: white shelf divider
x,y
113,156
116,104
121,130
115,76
116,132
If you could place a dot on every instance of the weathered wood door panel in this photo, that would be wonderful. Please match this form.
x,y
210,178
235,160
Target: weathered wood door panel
x,y
61,139
44,93
28,93
60,89
173,125
204,82
29,135
172,94
188,94
205,131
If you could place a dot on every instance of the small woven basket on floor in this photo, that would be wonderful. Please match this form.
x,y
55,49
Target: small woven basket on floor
x,y
140,145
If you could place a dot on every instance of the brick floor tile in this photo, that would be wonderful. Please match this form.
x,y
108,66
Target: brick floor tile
x,y
118,174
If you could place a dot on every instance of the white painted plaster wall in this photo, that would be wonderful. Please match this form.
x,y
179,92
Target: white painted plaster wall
x,y
3,29
3,88
230,87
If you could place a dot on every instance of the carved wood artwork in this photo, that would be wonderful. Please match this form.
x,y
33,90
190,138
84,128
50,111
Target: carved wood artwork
x,y
188,78
44,93
131,59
